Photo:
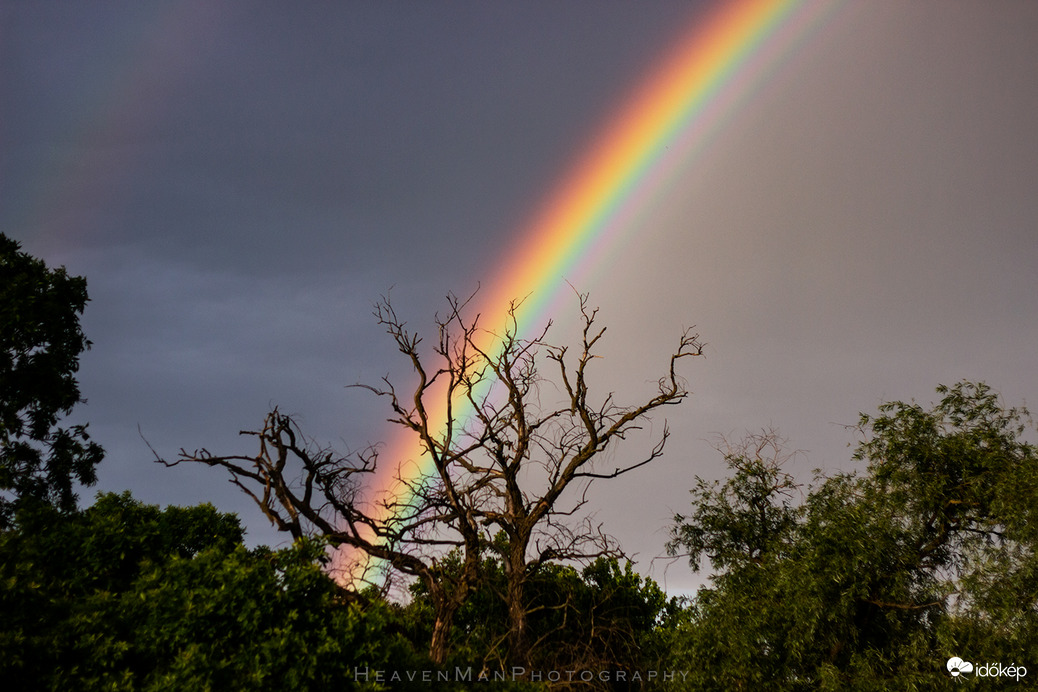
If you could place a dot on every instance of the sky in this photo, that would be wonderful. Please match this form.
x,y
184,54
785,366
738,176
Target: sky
x,y
240,182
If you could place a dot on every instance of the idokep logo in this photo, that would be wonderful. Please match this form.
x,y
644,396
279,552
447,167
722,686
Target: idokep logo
x,y
956,666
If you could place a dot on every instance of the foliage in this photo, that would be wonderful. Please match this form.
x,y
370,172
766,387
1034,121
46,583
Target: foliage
x,y
875,580
749,516
603,617
124,596
40,343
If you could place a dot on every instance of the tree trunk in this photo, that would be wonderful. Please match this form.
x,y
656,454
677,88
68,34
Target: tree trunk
x,y
444,609
439,646
518,629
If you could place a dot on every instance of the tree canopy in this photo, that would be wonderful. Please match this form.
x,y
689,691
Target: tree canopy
x,y
877,578
603,616
40,344
125,596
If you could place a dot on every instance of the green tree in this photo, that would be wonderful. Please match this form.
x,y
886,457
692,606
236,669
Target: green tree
x,y
125,596
40,343
604,617
876,579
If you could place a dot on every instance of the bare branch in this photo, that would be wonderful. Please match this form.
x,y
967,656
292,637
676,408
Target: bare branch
x,y
499,461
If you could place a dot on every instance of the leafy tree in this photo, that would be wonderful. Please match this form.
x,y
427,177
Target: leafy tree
x,y
748,517
604,617
125,596
40,343
875,579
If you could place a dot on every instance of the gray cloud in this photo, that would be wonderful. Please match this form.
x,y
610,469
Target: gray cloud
x,y
240,186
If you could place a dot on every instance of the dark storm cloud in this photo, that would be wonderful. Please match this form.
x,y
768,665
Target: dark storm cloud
x,y
363,128
240,181
239,184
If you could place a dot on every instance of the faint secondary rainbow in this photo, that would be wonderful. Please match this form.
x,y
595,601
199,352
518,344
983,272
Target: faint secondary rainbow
x,y
663,125
121,101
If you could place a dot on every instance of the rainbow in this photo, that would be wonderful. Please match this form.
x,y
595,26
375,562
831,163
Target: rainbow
x,y
659,129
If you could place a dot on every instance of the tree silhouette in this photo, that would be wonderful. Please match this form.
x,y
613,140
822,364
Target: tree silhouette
x,y
40,343
502,463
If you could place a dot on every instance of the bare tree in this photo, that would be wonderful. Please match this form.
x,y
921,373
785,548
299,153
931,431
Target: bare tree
x,y
309,491
502,463
513,465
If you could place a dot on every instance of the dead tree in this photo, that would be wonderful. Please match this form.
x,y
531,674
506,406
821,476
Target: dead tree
x,y
310,491
503,464
507,463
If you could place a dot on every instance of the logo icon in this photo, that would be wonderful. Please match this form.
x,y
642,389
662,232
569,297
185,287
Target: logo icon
x,y
956,666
